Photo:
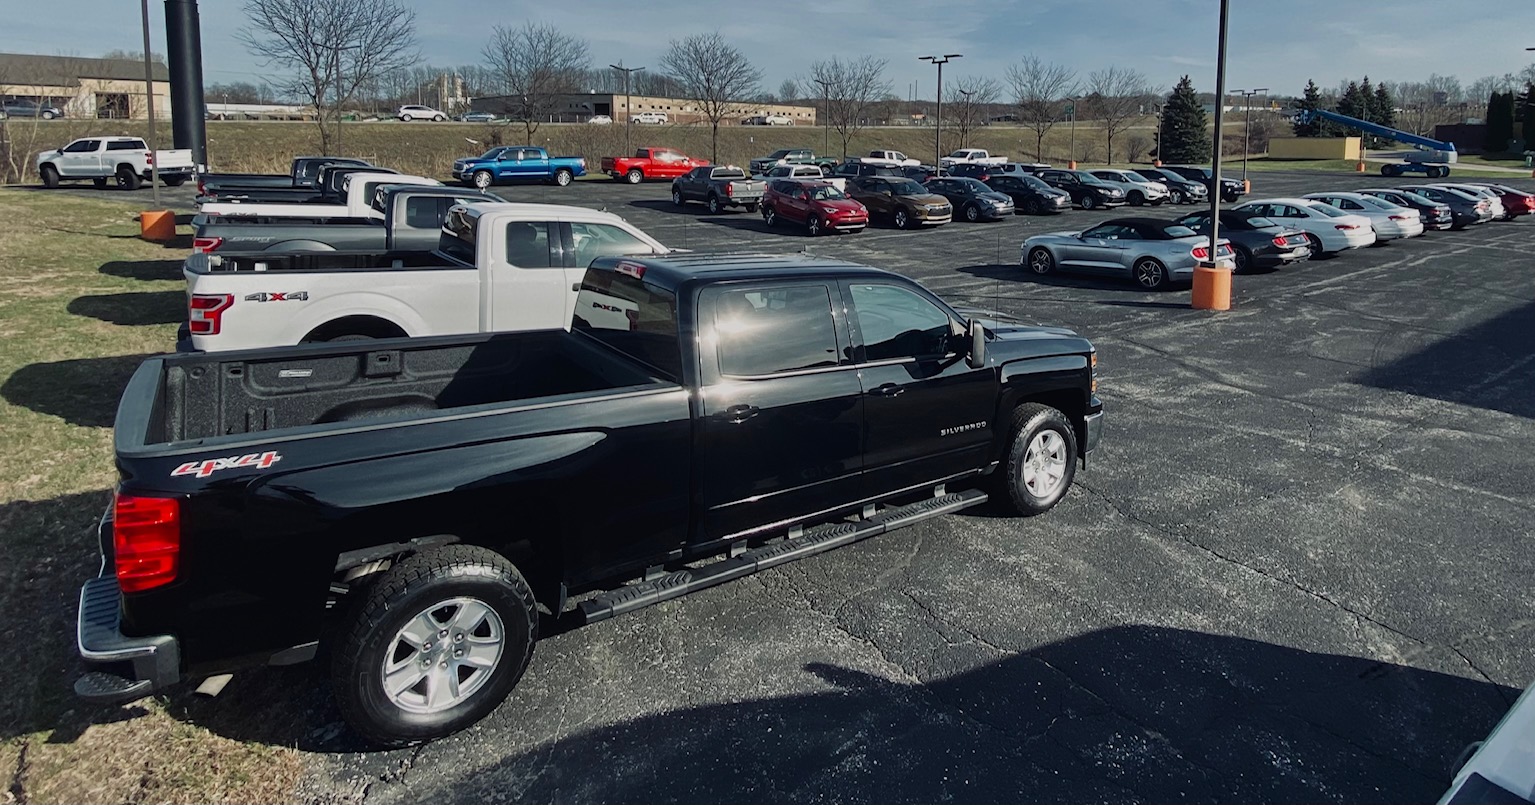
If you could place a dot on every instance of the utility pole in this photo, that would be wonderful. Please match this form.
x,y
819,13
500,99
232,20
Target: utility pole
x,y
968,111
1247,123
149,105
1071,107
825,114
628,116
938,124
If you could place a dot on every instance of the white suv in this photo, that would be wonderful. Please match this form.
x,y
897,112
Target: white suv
x,y
650,117
412,112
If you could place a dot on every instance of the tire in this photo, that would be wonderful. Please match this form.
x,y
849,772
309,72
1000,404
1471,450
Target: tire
x,y
1040,462
972,213
1136,198
1243,257
752,207
1315,244
482,179
1150,274
47,115
438,119
713,205
405,118
1089,202
634,176
1175,196
1388,170
563,177
814,226
676,196
901,218
770,217
174,181
1041,261
127,179
425,591
1034,206
100,183
49,176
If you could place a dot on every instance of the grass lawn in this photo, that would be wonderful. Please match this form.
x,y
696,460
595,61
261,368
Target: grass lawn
x,y
82,301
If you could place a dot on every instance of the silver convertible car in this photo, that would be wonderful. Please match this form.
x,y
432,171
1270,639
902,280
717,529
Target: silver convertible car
x,y
1153,253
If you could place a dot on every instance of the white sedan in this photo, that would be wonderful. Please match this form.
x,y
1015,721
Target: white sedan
x,y
1477,191
1329,229
1388,220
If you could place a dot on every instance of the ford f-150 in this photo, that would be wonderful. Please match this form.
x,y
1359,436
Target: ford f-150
x,y
411,220
650,163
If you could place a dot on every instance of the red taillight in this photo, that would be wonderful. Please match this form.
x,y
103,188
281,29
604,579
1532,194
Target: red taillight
x,y
146,541
205,312
1345,227
730,189
1201,253
199,184
1401,218
1281,241
149,157
206,245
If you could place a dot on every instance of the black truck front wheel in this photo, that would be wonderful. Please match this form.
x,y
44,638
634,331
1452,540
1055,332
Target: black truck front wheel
x,y
438,643
1041,459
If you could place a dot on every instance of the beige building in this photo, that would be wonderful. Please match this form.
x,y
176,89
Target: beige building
x,y
578,107
88,88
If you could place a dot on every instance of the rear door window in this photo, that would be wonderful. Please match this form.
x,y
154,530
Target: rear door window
x,y
528,244
771,330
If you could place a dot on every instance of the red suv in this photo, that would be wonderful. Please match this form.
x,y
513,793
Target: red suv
x,y
819,206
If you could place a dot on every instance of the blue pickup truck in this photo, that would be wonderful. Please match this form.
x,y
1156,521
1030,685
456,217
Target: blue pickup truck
x,y
517,163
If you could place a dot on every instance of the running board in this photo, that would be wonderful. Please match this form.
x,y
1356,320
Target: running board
x,y
815,540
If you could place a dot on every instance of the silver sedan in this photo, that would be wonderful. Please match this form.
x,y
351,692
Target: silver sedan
x,y
1154,254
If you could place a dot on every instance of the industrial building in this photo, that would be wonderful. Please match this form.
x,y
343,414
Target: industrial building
x,y
83,87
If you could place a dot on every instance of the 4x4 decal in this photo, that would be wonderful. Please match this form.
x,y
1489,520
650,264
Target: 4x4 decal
x,y
205,468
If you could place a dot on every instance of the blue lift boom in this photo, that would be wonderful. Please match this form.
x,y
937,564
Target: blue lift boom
x,y
1433,157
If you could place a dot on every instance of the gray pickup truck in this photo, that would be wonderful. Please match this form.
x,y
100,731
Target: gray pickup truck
x,y
412,221
303,173
718,188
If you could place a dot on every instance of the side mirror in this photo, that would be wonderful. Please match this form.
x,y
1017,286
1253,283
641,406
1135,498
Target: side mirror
x,y
977,357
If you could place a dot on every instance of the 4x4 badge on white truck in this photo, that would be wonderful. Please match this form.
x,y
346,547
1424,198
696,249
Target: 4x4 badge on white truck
x,y
278,296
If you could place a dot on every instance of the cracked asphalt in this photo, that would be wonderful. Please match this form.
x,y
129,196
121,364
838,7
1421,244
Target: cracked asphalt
x,y
1298,569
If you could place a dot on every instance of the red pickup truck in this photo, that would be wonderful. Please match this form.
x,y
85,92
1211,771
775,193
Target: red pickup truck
x,y
650,163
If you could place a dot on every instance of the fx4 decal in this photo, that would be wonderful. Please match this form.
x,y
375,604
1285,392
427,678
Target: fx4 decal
x,y
203,469
278,296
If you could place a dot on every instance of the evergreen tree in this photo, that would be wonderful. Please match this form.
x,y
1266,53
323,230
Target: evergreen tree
x,y
1500,122
1311,101
1185,130
1366,100
1385,107
1527,107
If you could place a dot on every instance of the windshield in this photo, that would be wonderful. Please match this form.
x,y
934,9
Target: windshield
x,y
907,188
491,154
779,154
826,193
1378,203
1327,209
1088,178
1135,177
1035,182
1177,231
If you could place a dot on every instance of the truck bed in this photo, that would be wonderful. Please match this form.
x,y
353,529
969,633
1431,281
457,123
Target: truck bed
x,y
316,261
211,395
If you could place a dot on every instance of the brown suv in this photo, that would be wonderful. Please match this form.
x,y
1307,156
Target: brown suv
x,y
900,201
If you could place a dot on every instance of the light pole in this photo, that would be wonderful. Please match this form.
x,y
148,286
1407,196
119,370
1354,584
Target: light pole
x,y
825,115
1161,117
938,125
628,117
968,110
1212,283
149,105
1071,159
1247,123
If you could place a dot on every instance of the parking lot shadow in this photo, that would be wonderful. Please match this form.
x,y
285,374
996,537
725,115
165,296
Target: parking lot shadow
x,y
1485,366
143,269
82,391
1012,272
133,309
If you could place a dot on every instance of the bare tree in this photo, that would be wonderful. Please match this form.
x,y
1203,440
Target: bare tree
x,y
331,47
1040,90
788,91
851,91
1120,96
974,97
535,65
711,73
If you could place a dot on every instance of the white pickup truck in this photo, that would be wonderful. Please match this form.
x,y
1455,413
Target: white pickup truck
x,y
894,158
498,267
124,160
970,156
357,190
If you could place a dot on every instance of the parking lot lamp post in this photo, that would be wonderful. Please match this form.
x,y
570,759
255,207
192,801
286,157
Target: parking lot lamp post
x,y
628,118
1247,123
1071,159
967,93
1212,283
149,105
938,123
825,114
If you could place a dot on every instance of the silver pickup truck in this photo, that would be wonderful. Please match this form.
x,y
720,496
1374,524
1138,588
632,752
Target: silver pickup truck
x,y
718,188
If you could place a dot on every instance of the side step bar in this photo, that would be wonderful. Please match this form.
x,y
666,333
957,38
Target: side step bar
x,y
815,540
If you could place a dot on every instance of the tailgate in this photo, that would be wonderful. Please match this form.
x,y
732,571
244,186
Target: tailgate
x,y
745,188
173,158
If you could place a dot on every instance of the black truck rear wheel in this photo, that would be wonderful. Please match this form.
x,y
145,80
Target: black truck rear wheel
x,y
438,642
1040,461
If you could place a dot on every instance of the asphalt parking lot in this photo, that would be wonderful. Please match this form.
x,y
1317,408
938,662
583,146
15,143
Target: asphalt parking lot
x,y
1296,571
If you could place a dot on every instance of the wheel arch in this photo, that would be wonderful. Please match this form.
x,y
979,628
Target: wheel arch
x,y
1058,381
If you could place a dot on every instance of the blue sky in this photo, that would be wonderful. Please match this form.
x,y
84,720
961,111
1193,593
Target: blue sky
x,y
1276,44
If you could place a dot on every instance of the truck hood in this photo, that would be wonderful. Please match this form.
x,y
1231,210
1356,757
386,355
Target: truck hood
x,y
1009,328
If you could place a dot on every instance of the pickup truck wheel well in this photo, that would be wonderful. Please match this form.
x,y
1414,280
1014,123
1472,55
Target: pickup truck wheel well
x,y
1068,401
365,326
542,569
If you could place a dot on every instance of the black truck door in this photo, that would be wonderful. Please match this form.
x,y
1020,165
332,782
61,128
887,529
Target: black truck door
x,y
779,435
926,412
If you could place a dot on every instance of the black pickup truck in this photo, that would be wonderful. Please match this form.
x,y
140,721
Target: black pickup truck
x,y
411,503
302,174
412,221
329,185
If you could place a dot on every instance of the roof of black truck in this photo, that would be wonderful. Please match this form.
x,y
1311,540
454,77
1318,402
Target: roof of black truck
x,y
672,270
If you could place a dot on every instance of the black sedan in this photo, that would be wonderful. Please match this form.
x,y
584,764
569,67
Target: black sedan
x,y
1256,242
1231,189
921,173
1465,209
1179,189
972,199
974,171
1030,195
1434,214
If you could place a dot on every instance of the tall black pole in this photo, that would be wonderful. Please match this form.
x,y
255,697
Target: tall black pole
x,y
183,45
1220,120
938,126
149,106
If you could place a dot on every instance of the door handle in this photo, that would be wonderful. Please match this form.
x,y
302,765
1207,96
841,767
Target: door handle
x,y
888,390
736,414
